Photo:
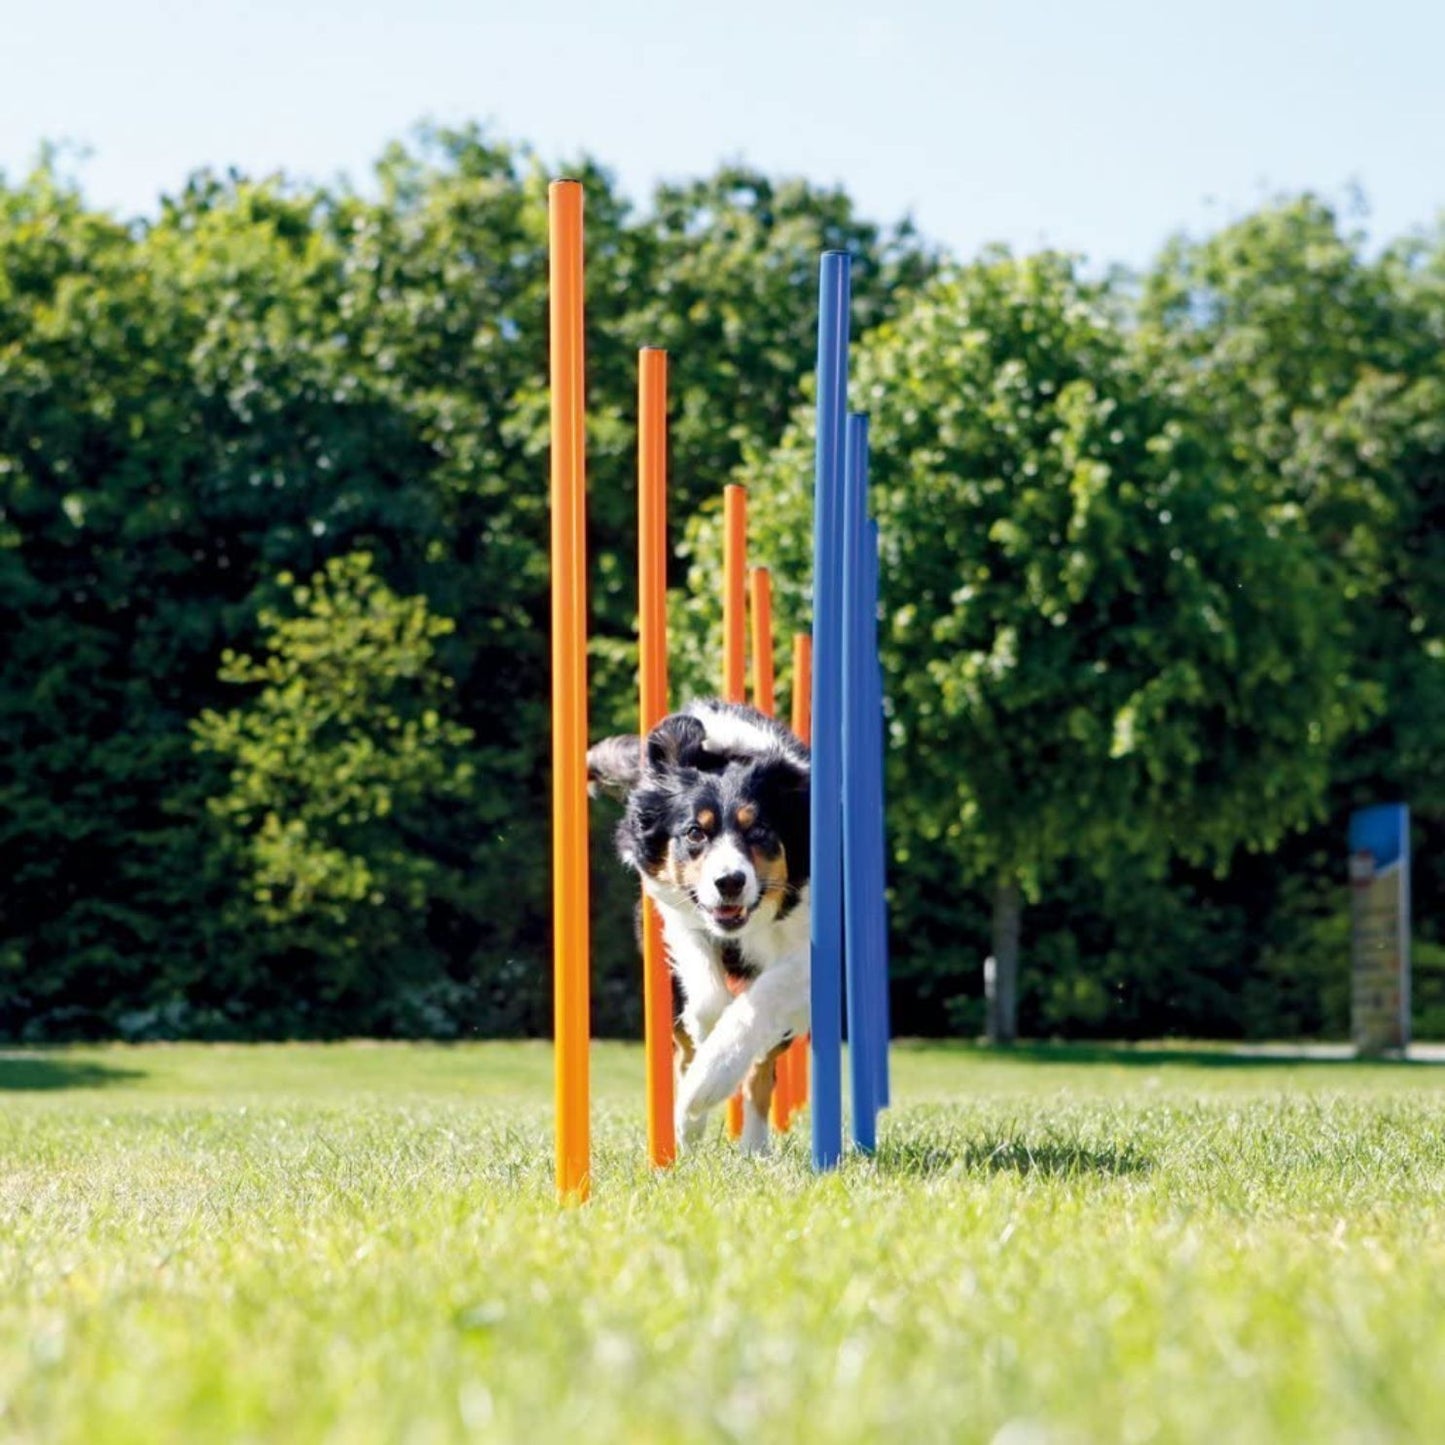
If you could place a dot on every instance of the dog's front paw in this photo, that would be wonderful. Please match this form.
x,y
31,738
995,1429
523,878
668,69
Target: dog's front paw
x,y
688,1129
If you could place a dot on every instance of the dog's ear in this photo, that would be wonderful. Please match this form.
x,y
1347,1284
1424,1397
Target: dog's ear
x,y
642,834
783,786
614,766
781,777
676,742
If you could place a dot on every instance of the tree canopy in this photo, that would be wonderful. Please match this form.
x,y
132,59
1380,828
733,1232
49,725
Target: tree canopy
x,y
1102,641
1163,580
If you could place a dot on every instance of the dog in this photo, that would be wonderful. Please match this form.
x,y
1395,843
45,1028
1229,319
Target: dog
x,y
716,827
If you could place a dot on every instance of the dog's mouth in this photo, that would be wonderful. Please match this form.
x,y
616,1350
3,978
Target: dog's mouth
x,y
729,916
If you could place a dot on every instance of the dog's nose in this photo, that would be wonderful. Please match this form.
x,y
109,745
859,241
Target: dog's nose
x,y
730,885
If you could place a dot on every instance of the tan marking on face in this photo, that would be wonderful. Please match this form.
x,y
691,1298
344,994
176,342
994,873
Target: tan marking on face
x,y
682,872
747,816
772,875
706,819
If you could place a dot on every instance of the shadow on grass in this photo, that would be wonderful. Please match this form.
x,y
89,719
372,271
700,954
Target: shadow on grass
x,y
1050,1157
37,1073
1153,1056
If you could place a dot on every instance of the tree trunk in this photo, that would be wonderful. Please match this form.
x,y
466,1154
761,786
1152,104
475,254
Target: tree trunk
x,y
1003,996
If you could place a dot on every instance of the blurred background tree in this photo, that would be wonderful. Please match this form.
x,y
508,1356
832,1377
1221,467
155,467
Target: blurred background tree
x,y
1101,644
270,381
352,800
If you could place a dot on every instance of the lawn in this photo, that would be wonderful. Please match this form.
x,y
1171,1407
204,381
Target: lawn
x,y
360,1243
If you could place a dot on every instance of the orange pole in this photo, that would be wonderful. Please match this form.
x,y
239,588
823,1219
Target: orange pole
x,y
652,681
802,719
764,699
796,1059
761,592
572,954
735,591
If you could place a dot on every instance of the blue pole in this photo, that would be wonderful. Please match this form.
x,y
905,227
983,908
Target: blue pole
x,y
874,750
826,868
858,902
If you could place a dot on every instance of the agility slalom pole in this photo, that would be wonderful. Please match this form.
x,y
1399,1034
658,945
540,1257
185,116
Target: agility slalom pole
x,y
826,872
801,722
735,592
735,643
652,688
760,590
859,904
760,593
572,945
876,812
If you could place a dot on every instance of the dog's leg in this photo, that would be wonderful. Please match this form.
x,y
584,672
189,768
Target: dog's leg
x,y
706,1003
682,1051
752,1025
688,1129
754,1139
758,1089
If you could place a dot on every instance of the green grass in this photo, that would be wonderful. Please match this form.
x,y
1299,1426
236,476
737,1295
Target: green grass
x,y
358,1243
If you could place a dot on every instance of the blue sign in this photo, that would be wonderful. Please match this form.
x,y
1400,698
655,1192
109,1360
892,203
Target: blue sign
x,y
1383,833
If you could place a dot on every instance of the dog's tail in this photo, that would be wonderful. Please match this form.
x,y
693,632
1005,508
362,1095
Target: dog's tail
x,y
614,766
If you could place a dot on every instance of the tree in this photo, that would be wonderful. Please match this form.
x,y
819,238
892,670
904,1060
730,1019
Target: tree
x,y
94,536
1099,642
269,376
1324,369
347,780
177,423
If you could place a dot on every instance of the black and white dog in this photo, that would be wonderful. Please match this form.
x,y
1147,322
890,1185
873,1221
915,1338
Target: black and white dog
x,y
716,826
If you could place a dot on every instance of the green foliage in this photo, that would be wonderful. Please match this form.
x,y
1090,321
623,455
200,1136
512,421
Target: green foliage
x,y
1101,644
1100,647
338,765
1133,955
95,563
1163,571
1324,371
268,377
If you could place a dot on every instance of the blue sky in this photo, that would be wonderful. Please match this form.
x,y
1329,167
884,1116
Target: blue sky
x,y
1099,127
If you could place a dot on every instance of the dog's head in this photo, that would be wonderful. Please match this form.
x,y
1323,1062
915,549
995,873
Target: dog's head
x,y
723,830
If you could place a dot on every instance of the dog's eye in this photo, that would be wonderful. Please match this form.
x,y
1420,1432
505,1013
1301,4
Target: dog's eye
x,y
695,834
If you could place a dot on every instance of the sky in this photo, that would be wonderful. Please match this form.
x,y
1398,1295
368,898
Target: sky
x,y
1101,128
